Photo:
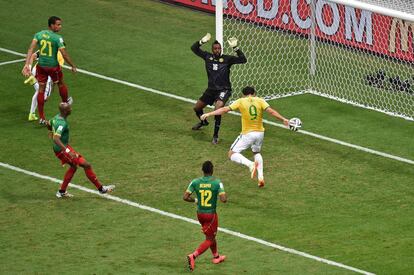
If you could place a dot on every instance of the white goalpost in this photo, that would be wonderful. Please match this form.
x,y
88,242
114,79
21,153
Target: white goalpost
x,y
359,52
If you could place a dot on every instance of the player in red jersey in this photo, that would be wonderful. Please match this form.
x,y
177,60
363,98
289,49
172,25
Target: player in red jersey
x,y
49,43
207,189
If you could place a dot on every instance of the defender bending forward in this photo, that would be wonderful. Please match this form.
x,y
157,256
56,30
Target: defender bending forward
x,y
63,151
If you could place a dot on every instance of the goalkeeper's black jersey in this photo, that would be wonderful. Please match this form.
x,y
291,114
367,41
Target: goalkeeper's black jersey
x,y
218,69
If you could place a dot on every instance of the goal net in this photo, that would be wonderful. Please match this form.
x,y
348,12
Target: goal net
x,y
360,54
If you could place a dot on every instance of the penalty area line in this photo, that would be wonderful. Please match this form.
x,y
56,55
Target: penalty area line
x,y
178,217
336,141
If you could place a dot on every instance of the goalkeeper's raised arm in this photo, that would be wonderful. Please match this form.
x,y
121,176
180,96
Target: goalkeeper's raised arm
x,y
240,58
196,46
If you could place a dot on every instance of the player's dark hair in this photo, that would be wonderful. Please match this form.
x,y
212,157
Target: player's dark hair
x,y
248,90
208,167
216,42
52,20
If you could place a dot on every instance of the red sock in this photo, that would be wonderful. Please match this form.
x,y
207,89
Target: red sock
x,y
92,177
68,176
40,104
202,248
213,248
63,91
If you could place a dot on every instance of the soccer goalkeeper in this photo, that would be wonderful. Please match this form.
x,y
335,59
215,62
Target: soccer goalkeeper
x,y
218,72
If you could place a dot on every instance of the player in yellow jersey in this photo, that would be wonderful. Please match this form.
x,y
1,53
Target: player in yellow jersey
x,y
251,108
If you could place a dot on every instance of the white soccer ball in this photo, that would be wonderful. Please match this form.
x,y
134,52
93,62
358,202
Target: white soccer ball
x,y
294,124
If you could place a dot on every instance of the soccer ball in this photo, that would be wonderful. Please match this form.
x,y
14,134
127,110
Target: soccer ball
x,y
295,124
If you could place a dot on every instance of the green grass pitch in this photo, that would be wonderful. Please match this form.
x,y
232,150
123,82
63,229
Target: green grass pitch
x,y
321,198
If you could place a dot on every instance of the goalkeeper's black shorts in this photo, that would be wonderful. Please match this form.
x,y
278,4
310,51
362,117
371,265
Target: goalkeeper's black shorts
x,y
210,96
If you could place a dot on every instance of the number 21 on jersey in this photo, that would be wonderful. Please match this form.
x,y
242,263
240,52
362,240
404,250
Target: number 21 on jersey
x,y
205,197
45,44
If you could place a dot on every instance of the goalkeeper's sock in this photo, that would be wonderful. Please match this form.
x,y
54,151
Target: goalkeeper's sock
x,y
217,123
68,177
239,158
92,177
259,159
199,113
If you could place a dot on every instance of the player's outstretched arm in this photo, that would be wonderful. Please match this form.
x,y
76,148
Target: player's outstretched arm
x,y
187,197
277,115
26,68
217,112
68,59
196,46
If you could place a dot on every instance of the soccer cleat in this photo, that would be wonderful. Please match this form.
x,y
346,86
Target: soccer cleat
x,y
107,189
200,124
31,80
253,169
215,140
60,195
70,100
191,262
219,259
32,117
42,121
261,183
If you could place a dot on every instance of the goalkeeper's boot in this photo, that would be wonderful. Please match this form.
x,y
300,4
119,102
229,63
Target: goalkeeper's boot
x,y
218,259
65,194
106,189
215,140
200,124
191,262
253,169
31,80
261,182
32,117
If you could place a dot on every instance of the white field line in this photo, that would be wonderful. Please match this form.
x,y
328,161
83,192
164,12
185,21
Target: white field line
x,y
178,217
12,61
336,141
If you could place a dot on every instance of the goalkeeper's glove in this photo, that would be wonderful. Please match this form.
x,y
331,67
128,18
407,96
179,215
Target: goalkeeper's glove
x,y
233,43
205,38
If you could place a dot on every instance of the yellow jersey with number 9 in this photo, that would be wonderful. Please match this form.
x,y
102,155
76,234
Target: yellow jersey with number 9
x,y
251,109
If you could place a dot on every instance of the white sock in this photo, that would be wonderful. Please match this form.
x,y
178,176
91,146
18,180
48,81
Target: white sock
x,y
239,158
258,157
34,103
48,89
